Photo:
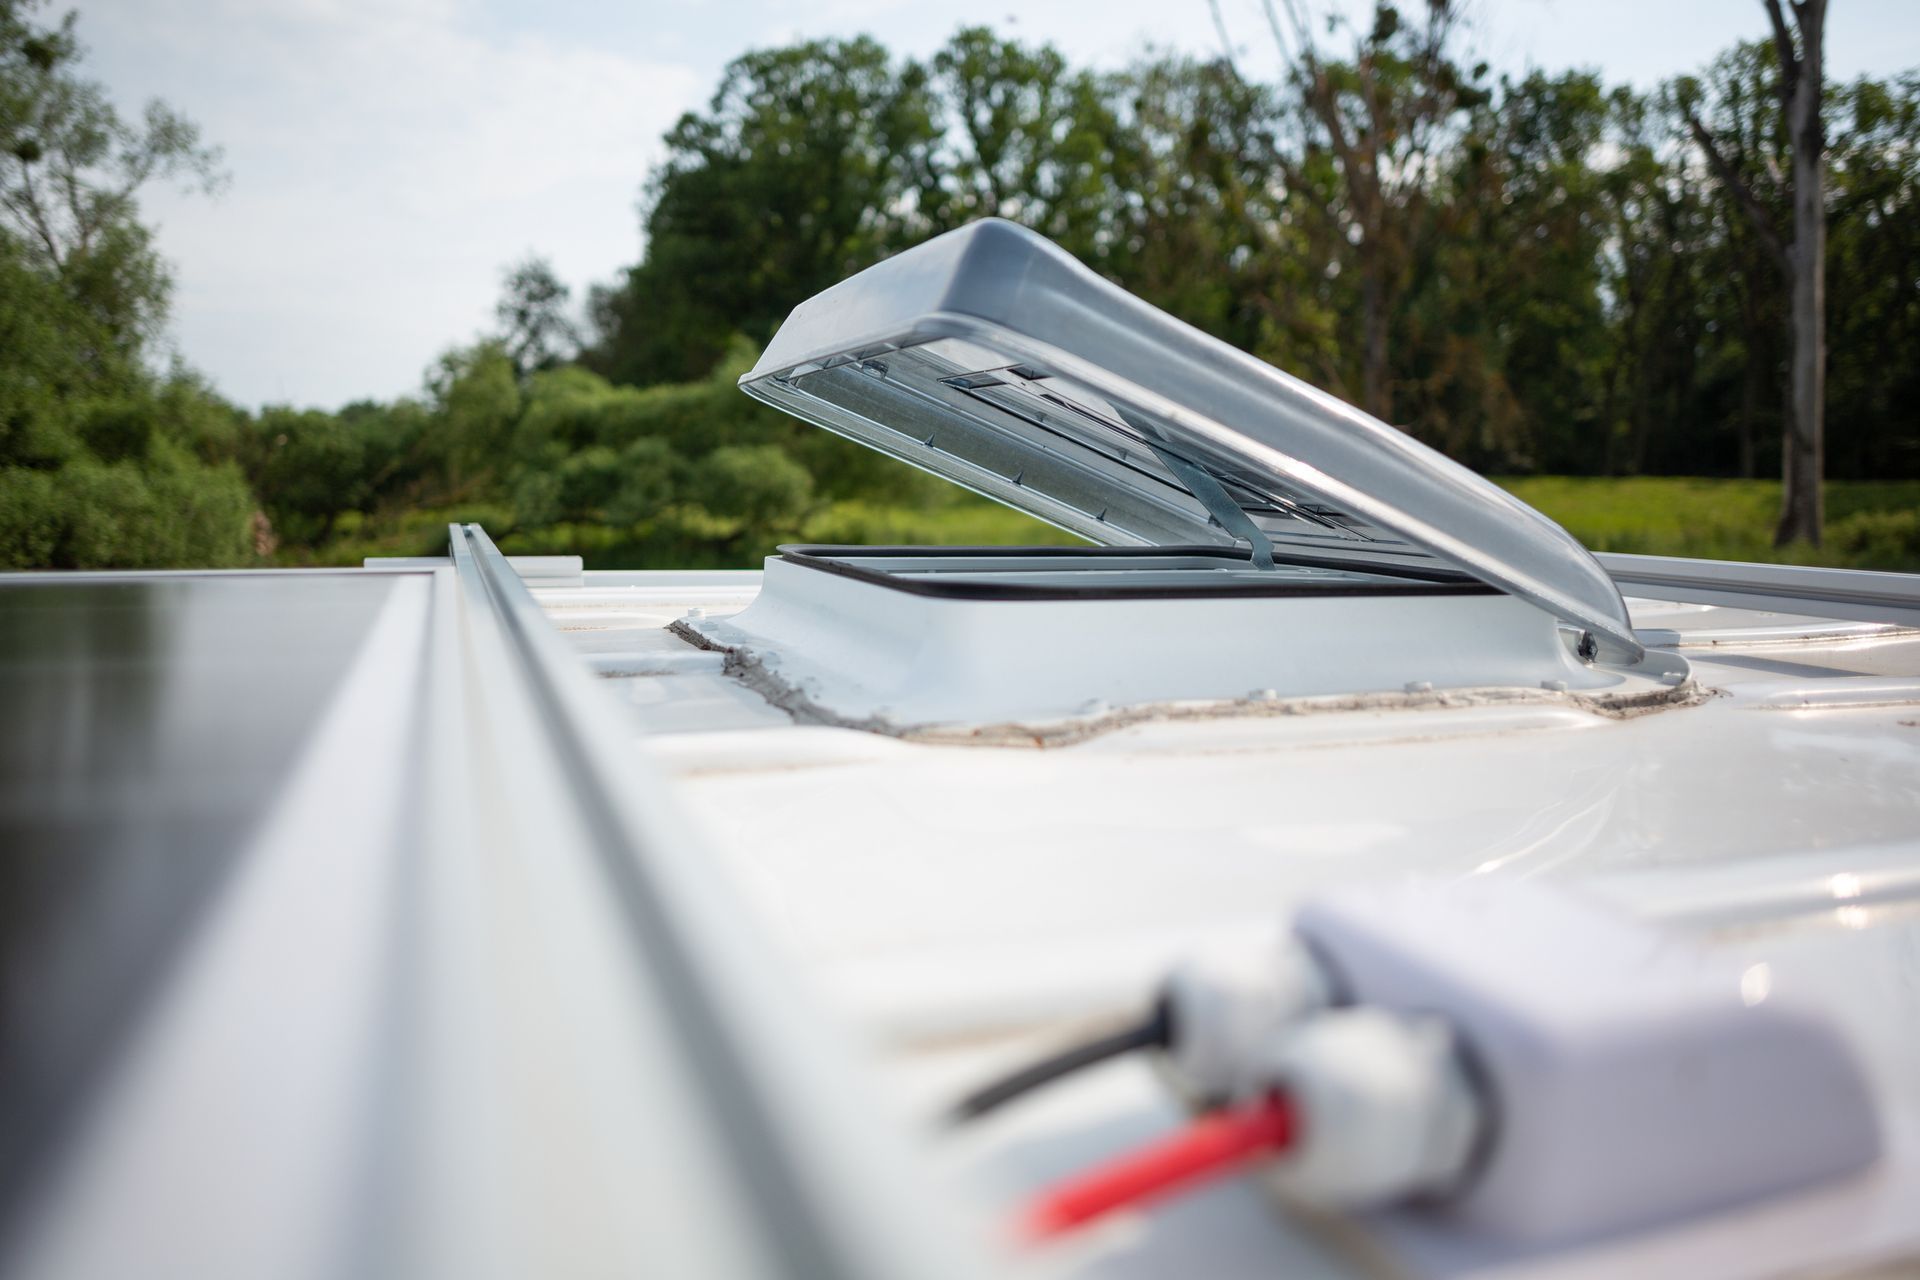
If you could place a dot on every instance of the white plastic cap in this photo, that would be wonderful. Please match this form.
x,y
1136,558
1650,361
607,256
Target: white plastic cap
x,y
1227,1005
1385,1109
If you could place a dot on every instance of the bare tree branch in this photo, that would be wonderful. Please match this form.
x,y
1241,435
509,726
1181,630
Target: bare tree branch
x,y
37,218
1321,95
1812,17
25,214
1319,89
1756,212
1776,180
1301,34
76,204
1226,44
1376,111
1783,48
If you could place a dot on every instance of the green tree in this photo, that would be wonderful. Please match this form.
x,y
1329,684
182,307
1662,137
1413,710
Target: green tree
x,y
101,461
475,397
1873,262
759,485
788,182
535,328
71,169
1372,129
1210,241
1497,352
1021,136
1797,244
1703,368
315,468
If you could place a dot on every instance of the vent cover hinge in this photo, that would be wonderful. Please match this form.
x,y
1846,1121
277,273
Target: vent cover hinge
x,y
1213,496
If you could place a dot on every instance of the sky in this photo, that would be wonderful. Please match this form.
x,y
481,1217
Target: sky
x,y
388,159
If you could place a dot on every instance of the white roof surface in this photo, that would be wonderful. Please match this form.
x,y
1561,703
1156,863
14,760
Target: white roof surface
x,y
961,905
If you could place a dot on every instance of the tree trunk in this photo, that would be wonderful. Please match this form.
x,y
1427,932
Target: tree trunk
x,y
1749,411
1375,397
1750,387
1802,510
1803,464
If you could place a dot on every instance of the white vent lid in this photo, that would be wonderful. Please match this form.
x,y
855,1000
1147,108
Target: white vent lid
x,y
992,358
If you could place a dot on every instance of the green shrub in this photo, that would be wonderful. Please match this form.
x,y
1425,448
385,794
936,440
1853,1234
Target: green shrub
x,y
649,473
118,430
759,485
30,522
960,520
313,467
538,498
1878,539
173,510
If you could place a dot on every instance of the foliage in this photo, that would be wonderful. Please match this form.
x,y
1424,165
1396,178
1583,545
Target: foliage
x,y
1537,274
314,468
70,168
788,182
102,462
160,509
474,393
536,330
1020,135
1534,274
1203,150
1875,525
756,484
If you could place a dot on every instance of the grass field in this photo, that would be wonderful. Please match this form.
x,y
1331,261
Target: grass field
x,y
1869,526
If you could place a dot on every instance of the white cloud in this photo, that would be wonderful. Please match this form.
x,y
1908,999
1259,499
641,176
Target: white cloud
x,y
388,160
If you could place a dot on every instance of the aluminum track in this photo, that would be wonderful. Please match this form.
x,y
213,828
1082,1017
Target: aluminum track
x,y
467,999
1853,594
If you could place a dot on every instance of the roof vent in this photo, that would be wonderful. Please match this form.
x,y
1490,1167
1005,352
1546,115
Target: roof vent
x,y
1255,533
1049,644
